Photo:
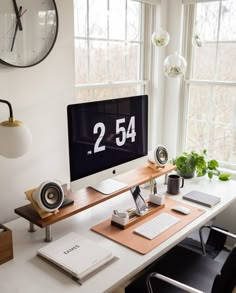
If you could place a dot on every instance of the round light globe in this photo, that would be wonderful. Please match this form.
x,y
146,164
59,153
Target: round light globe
x,y
15,140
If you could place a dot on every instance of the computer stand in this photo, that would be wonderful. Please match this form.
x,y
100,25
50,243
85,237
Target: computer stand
x,y
109,186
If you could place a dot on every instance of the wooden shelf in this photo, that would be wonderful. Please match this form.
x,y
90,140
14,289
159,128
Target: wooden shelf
x,y
88,197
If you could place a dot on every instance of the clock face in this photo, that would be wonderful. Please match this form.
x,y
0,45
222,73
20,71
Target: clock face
x,y
28,31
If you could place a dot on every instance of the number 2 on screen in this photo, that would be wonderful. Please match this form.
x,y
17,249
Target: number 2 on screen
x,y
101,129
97,147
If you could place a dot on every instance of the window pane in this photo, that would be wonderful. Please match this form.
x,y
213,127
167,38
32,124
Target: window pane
x,y
233,155
223,104
102,94
199,99
132,61
199,115
133,21
98,18
227,22
80,17
204,59
211,114
117,16
197,136
116,61
213,50
84,95
81,57
207,20
108,43
97,61
211,121
226,66
220,142
126,91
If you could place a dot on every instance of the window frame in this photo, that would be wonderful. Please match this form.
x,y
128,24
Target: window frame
x,y
188,25
145,64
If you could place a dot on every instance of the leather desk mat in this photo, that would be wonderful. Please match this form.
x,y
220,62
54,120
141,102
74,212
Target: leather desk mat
x,y
143,245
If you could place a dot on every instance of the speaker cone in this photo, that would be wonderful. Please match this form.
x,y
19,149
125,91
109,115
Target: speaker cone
x,y
158,156
161,155
49,196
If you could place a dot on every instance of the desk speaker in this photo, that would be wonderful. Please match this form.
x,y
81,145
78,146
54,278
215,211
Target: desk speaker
x,y
158,156
49,196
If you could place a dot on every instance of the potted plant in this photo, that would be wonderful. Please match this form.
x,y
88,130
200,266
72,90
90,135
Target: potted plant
x,y
190,163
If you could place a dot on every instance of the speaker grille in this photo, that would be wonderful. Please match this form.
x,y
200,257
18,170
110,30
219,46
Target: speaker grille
x,y
51,195
161,155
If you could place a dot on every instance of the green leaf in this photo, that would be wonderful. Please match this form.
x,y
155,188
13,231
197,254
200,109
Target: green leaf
x,y
204,152
213,164
201,172
225,176
201,163
210,175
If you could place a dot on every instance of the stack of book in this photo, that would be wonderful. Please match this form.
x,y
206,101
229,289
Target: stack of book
x,y
78,256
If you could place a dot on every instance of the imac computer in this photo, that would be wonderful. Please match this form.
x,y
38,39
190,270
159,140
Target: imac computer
x,y
106,138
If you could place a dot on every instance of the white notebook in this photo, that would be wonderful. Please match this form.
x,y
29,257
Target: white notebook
x,y
202,198
77,255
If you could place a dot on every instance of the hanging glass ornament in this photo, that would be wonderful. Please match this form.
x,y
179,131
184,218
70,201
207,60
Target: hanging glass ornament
x,y
175,65
197,36
197,40
160,38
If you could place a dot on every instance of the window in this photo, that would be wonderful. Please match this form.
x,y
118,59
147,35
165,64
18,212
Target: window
x,y
109,48
211,86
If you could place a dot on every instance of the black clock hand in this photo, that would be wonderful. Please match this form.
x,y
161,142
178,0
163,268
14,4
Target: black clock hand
x,y
17,12
16,29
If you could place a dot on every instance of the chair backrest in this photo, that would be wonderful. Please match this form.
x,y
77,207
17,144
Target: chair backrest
x,y
225,281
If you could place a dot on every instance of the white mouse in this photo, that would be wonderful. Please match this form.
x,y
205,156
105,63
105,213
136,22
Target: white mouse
x,y
181,209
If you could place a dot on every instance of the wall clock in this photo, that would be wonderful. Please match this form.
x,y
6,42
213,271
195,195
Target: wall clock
x,y
28,31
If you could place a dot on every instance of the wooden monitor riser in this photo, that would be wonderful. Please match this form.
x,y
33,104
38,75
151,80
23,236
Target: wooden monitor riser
x,y
88,197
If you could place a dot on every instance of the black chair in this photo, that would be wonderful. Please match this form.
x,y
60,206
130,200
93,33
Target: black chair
x,y
214,243
181,266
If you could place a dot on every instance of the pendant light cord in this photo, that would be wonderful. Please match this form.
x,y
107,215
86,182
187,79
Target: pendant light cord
x,y
9,105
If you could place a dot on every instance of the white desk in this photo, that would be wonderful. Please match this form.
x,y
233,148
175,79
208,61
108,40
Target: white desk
x,y
28,273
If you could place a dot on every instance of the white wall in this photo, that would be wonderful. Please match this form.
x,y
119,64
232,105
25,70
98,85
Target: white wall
x,y
171,99
39,96
158,80
165,91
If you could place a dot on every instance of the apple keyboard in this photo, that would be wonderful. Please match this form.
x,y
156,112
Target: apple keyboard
x,y
157,225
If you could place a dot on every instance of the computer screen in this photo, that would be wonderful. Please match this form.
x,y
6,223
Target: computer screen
x,y
105,136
